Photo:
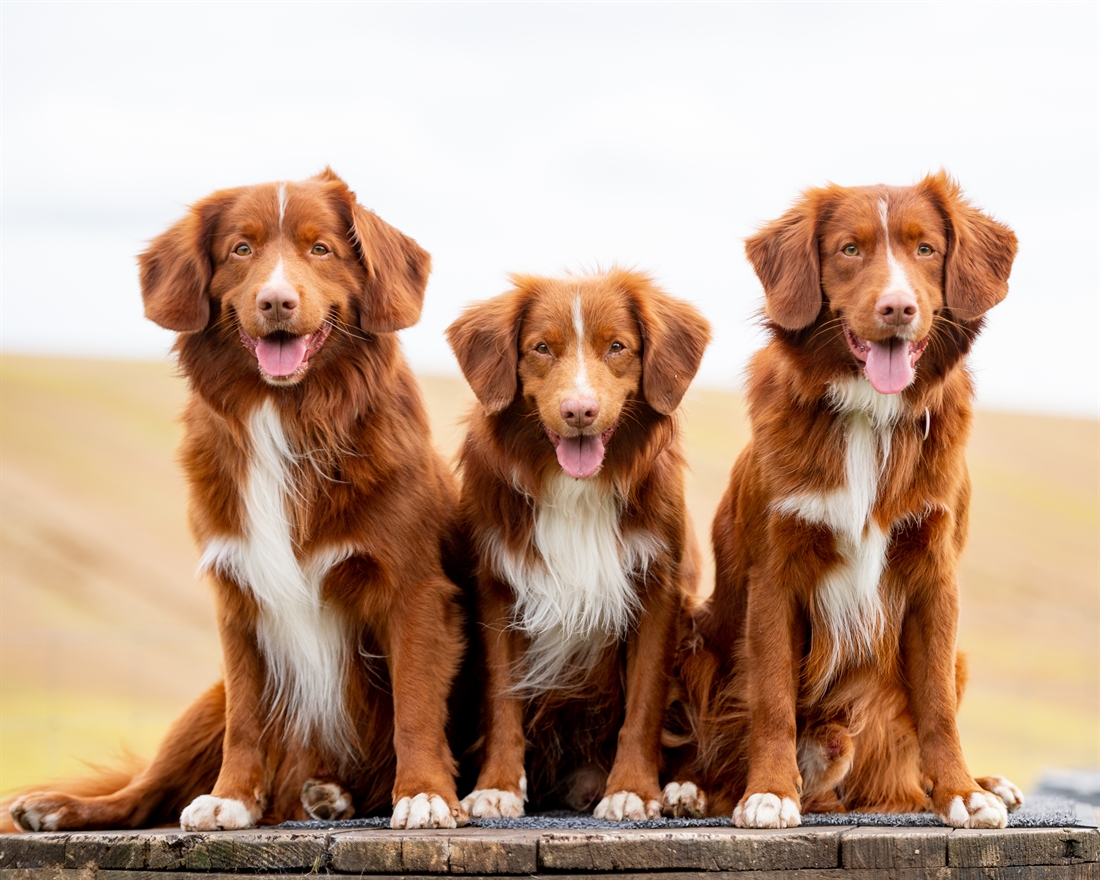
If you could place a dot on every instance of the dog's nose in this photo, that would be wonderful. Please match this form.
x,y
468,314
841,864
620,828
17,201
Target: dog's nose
x,y
579,412
277,302
896,309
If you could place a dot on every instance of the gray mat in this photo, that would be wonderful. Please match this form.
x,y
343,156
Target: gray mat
x,y
1038,811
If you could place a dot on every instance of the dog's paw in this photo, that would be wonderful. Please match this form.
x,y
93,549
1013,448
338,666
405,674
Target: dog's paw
x,y
683,800
209,813
326,801
1006,790
763,810
40,812
427,811
976,809
627,806
493,803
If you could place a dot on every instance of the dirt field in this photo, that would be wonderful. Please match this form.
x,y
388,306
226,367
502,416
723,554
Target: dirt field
x,y
106,634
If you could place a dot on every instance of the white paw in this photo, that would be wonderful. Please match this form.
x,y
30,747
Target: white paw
x,y
492,803
29,817
422,811
1007,791
626,805
326,801
766,811
682,799
209,813
981,810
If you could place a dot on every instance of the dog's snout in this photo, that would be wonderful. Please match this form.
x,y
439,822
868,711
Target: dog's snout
x,y
896,309
579,412
277,302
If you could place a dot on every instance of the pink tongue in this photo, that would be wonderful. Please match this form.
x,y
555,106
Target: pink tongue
x,y
888,367
580,456
281,356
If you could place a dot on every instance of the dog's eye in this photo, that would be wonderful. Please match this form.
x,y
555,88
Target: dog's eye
x,y
319,250
925,250
542,348
616,347
242,250
851,250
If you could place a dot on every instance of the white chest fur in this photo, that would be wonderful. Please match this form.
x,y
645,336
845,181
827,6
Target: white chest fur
x,y
578,593
848,599
303,641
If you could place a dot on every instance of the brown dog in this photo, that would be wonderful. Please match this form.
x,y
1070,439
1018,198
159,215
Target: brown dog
x,y
830,678
320,508
573,497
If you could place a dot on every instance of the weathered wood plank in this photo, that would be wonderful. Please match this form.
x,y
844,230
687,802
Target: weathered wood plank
x,y
1002,848
715,849
894,847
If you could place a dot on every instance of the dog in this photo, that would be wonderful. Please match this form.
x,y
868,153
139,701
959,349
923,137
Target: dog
x,y
573,499
823,671
322,513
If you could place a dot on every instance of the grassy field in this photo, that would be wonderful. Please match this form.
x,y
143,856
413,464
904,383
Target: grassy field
x,y
106,634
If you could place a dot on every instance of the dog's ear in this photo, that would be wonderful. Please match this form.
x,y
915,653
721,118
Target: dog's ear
x,y
674,336
784,255
177,267
980,251
396,267
485,339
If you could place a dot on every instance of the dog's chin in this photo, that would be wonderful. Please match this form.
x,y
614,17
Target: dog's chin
x,y
580,455
282,358
889,364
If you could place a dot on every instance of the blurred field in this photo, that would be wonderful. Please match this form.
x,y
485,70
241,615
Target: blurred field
x,y
106,634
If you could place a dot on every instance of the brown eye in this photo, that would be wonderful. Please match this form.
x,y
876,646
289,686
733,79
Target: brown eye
x,y
319,250
616,347
542,348
925,250
242,250
851,250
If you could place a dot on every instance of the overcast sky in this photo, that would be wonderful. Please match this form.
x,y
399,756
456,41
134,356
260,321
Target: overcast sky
x,y
542,137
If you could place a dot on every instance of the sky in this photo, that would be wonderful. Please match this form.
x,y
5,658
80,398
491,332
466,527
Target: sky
x,y
546,137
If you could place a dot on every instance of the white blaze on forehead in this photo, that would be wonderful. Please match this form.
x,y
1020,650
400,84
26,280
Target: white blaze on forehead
x,y
898,279
282,204
581,380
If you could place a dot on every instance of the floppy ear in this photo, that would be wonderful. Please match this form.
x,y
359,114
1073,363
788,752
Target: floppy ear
x,y
674,336
980,252
397,267
177,267
785,258
485,339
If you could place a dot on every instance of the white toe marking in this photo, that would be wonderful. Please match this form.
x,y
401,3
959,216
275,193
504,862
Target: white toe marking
x,y
765,810
981,810
684,799
1008,792
626,806
209,813
493,803
422,811
33,819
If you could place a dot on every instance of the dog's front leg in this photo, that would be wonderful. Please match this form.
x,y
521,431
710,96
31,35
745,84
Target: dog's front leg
x,y
633,789
929,663
772,793
502,783
240,795
424,645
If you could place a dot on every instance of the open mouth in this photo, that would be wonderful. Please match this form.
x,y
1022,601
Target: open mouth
x,y
889,364
283,356
580,456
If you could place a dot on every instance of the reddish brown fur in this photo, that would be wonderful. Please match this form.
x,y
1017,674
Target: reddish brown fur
x,y
371,483
575,758
769,715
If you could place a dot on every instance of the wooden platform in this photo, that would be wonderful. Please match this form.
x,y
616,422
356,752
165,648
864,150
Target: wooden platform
x,y
815,853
